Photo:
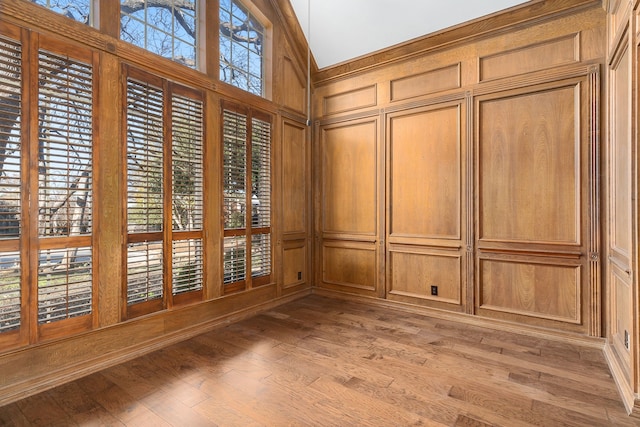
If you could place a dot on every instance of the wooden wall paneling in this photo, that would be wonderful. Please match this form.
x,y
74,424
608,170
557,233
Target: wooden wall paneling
x,y
618,20
295,262
622,241
295,177
426,204
621,338
541,288
294,87
535,181
295,206
529,164
413,270
620,164
350,265
358,98
426,173
350,158
540,56
350,183
425,83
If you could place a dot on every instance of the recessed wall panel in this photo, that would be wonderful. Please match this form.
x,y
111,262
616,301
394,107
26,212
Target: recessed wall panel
x,y
349,178
529,167
424,151
426,83
413,275
621,154
545,290
551,53
294,178
350,100
350,265
294,90
295,266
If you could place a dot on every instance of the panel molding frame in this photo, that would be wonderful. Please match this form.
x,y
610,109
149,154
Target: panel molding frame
x,y
588,76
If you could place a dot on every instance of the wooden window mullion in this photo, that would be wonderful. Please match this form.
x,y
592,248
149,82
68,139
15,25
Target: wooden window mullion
x,y
249,202
30,150
167,193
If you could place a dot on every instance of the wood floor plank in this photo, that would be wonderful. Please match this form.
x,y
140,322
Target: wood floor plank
x,y
369,411
319,361
43,410
12,416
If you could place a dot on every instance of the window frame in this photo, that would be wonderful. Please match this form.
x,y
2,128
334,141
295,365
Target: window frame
x,y
199,35
267,48
248,231
29,242
90,18
166,236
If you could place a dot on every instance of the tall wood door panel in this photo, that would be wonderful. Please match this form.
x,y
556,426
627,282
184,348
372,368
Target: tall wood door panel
x,y
350,184
536,202
426,205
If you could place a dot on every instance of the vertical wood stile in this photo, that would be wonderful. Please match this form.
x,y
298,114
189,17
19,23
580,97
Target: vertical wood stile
x,y
594,202
470,207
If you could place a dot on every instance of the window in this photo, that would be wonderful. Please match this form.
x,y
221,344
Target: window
x,y
242,41
53,233
64,187
164,193
247,198
10,189
167,28
78,10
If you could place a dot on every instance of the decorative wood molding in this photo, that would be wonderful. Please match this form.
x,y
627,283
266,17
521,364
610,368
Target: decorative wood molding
x,y
471,206
594,244
526,14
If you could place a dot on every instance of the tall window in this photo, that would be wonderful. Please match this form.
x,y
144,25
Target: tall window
x,y
164,193
10,188
46,220
167,28
242,40
78,10
247,198
65,187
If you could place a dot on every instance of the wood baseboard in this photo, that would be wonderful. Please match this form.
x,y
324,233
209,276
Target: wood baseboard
x,y
631,403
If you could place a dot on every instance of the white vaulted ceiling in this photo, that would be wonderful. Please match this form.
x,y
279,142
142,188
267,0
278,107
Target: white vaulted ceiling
x,y
342,30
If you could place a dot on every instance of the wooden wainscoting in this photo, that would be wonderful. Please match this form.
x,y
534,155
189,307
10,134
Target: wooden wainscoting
x,y
466,176
536,181
426,204
318,361
348,193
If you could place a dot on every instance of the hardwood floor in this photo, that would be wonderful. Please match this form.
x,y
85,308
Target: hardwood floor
x,y
325,362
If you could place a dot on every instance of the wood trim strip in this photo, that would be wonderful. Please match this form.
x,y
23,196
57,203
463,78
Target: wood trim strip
x,y
594,257
470,208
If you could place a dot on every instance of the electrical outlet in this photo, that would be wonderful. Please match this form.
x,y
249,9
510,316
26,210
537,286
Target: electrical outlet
x,y
299,275
434,290
626,339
